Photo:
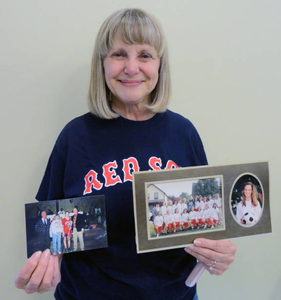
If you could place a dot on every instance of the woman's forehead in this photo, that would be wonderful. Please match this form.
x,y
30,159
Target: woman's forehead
x,y
131,36
118,43
247,186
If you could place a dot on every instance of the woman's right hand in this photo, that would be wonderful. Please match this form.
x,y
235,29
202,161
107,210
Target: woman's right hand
x,y
40,274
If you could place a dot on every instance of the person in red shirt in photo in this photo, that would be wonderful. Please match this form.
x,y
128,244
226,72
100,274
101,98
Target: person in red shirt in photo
x,y
67,224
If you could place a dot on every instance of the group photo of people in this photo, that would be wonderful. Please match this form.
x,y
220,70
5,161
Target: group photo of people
x,y
198,207
247,200
65,226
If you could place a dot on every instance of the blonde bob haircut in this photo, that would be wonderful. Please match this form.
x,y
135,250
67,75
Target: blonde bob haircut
x,y
135,26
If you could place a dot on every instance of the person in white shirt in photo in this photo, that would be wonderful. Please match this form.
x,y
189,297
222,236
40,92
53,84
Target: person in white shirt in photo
x,y
169,221
177,220
192,218
207,216
56,231
184,219
214,215
218,202
158,223
199,217
249,203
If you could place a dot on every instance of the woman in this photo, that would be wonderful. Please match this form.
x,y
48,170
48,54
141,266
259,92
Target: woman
x,y
215,215
210,201
199,217
170,207
183,205
179,205
207,216
192,217
128,125
169,222
177,220
190,203
249,203
175,206
163,209
158,224
184,219
197,203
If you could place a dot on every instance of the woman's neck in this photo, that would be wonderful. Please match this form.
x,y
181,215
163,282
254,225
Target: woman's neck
x,y
134,112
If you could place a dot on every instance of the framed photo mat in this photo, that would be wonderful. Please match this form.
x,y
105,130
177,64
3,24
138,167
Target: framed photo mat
x,y
230,177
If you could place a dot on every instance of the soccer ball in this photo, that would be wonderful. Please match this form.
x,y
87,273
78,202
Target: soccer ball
x,y
248,218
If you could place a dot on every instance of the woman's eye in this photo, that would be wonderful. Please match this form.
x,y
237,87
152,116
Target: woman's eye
x,y
118,55
145,56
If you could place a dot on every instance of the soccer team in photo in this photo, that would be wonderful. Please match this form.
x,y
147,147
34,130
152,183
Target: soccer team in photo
x,y
182,215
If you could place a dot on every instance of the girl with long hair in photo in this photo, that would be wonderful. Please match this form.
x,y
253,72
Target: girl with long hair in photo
x,y
249,204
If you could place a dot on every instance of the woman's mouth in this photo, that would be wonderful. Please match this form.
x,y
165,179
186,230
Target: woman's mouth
x,y
131,83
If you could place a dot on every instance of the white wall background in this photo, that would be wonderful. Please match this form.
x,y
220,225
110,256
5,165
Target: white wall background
x,y
225,58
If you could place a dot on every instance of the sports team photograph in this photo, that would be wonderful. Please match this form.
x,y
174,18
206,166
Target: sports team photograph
x,y
66,226
184,207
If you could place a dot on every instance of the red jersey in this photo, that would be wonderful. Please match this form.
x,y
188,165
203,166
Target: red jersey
x,y
67,223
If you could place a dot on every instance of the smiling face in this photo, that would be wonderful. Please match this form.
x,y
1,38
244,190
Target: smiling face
x,y
131,73
248,192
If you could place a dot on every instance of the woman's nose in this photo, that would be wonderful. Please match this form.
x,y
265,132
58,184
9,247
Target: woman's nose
x,y
131,67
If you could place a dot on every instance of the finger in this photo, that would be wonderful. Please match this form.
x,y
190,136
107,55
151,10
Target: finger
x,y
206,256
218,269
48,277
38,274
216,245
223,251
25,273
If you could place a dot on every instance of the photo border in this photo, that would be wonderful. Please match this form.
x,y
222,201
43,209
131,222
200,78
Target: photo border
x,y
31,219
186,179
230,173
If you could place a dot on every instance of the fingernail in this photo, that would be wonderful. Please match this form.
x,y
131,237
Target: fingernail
x,y
197,243
37,255
187,249
46,253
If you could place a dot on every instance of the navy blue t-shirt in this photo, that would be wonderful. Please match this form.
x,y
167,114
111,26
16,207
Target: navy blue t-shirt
x,y
93,157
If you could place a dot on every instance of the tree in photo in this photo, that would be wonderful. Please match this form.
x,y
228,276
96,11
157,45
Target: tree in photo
x,y
205,187
185,195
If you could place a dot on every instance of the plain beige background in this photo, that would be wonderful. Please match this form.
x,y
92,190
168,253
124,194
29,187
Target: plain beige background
x,y
225,58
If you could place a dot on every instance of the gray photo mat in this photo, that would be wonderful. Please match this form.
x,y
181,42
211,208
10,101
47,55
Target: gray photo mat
x,y
230,174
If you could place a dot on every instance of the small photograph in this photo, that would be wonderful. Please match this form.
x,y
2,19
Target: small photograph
x,y
66,226
184,207
247,200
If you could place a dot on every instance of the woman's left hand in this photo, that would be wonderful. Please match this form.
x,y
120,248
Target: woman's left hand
x,y
216,256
